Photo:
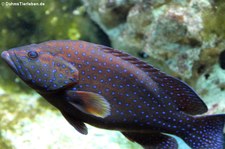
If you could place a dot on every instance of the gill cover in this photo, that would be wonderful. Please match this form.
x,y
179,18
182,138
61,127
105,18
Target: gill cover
x,y
45,69
62,74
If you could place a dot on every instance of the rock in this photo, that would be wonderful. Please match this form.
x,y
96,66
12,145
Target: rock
x,y
211,85
168,30
185,36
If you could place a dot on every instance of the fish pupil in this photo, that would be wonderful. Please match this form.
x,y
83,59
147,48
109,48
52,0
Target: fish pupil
x,y
32,54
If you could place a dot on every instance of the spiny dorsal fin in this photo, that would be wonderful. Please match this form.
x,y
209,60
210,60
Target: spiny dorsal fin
x,y
138,63
183,96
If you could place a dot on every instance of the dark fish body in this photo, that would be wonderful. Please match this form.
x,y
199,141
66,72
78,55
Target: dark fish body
x,y
110,89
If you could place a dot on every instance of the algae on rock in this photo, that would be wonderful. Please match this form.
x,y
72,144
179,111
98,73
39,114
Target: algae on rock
x,y
214,20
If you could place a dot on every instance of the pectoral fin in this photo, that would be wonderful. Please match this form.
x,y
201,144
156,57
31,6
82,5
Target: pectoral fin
x,y
152,140
90,103
78,125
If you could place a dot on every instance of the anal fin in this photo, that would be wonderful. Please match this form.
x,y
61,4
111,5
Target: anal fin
x,y
152,140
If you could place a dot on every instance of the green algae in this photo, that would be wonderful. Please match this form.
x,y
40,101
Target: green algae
x,y
5,143
11,113
214,20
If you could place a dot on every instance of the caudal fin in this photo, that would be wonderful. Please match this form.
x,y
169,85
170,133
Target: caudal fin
x,y
206,133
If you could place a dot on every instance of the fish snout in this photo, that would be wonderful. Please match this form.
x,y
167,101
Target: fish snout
x,y
6,56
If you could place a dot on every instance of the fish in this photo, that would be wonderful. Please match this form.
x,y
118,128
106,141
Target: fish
x,y
110,89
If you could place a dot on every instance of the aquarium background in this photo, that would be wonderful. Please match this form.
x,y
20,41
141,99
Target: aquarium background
x,y
185,39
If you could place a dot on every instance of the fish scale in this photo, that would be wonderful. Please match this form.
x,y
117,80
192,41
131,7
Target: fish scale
x,y
110,89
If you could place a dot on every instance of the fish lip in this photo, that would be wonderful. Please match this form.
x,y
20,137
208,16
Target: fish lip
x,y
6,56
10,59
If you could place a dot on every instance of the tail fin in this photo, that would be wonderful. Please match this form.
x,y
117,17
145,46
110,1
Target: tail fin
x,y
206,133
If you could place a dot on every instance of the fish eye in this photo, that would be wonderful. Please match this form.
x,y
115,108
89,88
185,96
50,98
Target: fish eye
x,y
32,54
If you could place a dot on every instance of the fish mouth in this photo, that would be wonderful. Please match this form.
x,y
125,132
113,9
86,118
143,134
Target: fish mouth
x,y
16,65
6,56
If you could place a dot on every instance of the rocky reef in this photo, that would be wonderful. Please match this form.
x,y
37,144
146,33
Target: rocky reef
x,y
184,38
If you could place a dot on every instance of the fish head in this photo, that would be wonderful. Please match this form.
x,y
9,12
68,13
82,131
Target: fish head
x,y
41,67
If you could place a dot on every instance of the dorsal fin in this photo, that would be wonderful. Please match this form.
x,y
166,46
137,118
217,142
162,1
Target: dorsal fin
x,y
183,96
138,63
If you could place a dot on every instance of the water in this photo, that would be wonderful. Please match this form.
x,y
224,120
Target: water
x,y
178,37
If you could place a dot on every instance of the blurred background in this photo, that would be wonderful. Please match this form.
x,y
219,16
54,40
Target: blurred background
x,y
185,39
